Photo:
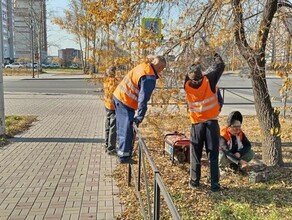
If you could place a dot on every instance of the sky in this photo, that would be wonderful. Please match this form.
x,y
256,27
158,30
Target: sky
x,y
57,38
61,39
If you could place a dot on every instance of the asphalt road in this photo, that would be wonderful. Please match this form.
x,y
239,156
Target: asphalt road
x,y
235,81
82,86
67,86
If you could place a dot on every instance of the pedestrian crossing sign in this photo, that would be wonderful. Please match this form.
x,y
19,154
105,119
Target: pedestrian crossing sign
x,y
152,24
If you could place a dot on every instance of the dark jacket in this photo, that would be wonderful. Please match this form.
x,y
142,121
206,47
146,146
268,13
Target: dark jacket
x,y
213,75
230,151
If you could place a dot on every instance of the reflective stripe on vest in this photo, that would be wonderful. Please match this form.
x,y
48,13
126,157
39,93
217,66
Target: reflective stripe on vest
x,y
203,103
135,93
200,108
127,91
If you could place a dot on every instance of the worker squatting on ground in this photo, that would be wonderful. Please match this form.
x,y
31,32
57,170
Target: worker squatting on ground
x,y
235,148
132,94
109,84
204,108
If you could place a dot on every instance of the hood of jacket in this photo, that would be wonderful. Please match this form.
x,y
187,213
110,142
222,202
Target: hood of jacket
x,y
235,115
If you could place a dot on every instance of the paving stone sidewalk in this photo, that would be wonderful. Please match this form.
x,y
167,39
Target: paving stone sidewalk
x,y
58,168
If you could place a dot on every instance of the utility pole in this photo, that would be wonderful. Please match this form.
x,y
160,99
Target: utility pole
x,y
32,48
32,36
41,37
2,115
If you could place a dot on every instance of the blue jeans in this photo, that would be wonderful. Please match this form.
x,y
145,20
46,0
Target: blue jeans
x,y
125,135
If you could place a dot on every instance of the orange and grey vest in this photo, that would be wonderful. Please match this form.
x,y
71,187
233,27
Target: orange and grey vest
x,y
128,91
109,85
203,104
227,136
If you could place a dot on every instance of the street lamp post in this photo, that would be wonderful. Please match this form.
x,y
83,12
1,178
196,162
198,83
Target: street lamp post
x,y
2,115
32,48
32,36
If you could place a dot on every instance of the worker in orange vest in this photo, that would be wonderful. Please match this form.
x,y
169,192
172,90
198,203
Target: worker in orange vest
x,y
132,94
204,107
235,148
109,85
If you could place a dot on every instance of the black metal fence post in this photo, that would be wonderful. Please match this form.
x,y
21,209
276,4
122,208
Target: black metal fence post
x,y
139,167
156,198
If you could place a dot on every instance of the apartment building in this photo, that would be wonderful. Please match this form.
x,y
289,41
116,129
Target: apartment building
x,y
30,29
7,52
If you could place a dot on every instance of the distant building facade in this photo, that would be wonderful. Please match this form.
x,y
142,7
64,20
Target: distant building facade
x,y
7,35
30,29
68,55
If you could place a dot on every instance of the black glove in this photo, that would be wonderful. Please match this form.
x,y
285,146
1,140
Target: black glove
x,y
137,121
217,58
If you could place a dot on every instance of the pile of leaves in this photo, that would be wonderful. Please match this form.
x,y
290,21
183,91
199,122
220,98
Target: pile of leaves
x,y
240,199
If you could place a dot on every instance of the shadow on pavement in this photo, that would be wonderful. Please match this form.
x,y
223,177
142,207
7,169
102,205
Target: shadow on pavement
x,y
61,140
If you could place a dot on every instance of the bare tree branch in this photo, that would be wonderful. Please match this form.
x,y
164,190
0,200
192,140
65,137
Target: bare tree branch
x,y
269,12
201,21
239,32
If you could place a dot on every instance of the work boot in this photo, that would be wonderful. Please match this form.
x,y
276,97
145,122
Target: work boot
x,y
112,152
194,184
215,187
234,167
127,160
105,147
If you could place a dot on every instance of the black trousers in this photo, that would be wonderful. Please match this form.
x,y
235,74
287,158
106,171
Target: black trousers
x,y
205,133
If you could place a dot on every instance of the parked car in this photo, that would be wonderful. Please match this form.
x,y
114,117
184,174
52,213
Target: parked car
x,y
14,65
74,66
29,65
54,65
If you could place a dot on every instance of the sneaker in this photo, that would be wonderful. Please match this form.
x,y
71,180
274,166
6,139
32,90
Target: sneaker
x,y
127,160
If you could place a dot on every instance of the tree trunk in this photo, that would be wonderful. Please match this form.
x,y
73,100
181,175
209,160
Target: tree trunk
x,y
267,116
255,57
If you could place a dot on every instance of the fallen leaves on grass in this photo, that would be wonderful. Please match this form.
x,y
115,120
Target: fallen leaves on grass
x,y
241,199
16,124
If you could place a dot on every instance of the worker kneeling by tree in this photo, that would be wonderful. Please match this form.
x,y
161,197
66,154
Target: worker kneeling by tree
x,y
235,148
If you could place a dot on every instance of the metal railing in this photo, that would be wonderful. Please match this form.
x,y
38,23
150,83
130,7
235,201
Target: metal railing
x,y
224,89
232,90
159,187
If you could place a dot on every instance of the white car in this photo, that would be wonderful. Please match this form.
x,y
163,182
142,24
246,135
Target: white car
x,y
14,65
54,65
29,65
74,66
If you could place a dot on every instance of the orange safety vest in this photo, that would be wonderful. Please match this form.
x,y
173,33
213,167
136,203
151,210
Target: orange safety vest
x,y
128,91
109,85
203,104
227,136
